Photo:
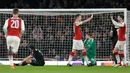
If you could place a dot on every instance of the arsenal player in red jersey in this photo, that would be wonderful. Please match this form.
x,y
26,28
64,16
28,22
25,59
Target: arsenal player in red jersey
x,y
13,29
77,39
119,47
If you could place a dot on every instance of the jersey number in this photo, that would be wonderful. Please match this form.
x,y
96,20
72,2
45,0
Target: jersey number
x,y
15,24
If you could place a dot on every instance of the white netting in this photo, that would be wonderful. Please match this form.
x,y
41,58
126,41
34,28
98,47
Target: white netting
x,y
128,37
52,31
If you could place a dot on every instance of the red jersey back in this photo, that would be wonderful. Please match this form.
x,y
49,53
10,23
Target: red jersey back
x,y
14,27
121,33
77,32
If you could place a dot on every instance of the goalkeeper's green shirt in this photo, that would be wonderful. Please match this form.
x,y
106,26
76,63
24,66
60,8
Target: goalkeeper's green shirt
x,y
90,45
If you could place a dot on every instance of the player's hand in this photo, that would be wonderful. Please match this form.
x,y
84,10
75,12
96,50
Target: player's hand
x,y
111,17
5,36
91,16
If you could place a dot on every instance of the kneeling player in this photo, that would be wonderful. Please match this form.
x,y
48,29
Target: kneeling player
x,y
119,47
35,59
90,45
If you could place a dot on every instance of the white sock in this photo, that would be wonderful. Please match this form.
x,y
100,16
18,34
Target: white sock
x,y
70,59
123,60
11,59
86,59
118,58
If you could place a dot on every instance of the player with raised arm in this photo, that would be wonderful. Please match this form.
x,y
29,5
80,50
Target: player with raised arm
x,y
77,39
13,29
119,47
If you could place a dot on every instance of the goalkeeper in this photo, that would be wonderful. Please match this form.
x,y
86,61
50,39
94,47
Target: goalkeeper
x,y
90,46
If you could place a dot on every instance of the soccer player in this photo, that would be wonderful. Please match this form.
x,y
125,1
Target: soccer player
x,y
13,29
119,47
90,45
113,37
77,39
36,58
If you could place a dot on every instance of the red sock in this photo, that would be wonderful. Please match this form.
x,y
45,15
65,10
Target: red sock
x,y
115,53
83,53
72,53
122,55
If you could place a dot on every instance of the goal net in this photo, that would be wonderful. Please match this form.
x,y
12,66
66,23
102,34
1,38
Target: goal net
x,y
51,31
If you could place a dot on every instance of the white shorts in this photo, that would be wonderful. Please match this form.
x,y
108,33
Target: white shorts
x,y
120,45
78,44
14,42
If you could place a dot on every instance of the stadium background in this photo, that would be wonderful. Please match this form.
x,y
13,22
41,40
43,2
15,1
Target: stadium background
x,y
53,34
65,4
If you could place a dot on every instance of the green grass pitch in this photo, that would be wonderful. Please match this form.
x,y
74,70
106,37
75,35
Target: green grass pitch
x,y
64,69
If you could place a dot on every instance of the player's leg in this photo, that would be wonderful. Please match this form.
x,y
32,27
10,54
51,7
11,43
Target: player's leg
x,y
35,62
113,56
81,47
82,61
121,52
114,59
26,61
16,45
91,58
10,53
85,56
116,53
71,55
82,58
21,64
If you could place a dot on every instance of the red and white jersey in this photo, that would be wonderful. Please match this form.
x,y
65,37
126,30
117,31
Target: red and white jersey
x,y
77,31
14,26
121,33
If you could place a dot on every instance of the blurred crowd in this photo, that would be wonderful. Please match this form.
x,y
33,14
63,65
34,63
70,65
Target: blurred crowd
x,y
65,4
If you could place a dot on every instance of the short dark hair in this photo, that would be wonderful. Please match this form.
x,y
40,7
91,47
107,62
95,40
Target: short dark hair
x,y
122,16
15,11
77,15
32,47
90,34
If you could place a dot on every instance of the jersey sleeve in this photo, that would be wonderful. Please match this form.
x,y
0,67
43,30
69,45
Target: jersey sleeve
x,y
5,27
78,23
23,27
85,41
117,24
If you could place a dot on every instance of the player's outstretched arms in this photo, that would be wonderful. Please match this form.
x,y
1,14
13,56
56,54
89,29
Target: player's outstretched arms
x,y
88,19
81,22
116,23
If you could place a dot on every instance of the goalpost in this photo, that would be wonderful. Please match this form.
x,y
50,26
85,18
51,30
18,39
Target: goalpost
x,y
51,31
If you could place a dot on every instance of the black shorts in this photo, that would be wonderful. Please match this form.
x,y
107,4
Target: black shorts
x,y
37,62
